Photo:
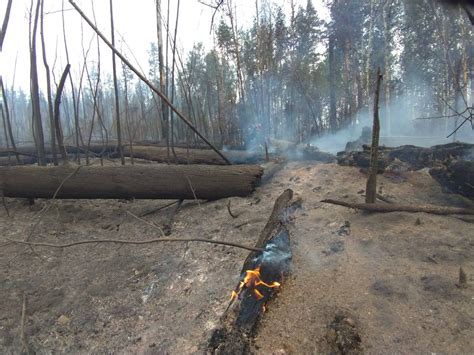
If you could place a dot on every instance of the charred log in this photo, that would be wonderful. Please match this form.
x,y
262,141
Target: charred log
x,y
415,157
138,181
456,177
309,152
238,324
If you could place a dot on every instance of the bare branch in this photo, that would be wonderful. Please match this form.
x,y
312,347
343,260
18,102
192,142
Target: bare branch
x,y
135,242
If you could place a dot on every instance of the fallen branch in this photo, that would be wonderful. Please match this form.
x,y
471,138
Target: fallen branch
x,y
134,242
149,212
256,220
372,207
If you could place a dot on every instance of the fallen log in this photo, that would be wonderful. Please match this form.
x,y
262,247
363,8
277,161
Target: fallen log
x,y
456,177
149,152
385,208
193,156
260,277
138,181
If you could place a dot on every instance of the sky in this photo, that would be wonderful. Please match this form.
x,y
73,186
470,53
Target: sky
x,y
135,28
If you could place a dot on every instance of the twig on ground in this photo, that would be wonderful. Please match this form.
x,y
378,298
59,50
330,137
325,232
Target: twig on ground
x,y
149,212
257,220
151,224
24,343
230,212
466,219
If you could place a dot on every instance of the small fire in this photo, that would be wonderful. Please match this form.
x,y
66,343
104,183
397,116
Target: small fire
x,y
251,280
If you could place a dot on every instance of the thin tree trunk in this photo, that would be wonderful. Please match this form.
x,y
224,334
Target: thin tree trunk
x,y
368,50
34,87
8,125
57,120
173,62
127,112
332,84
48,87
73,92
116,92
159,32
6,18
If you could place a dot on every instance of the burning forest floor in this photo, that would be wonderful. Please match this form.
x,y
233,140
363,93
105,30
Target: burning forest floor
x,y
375,283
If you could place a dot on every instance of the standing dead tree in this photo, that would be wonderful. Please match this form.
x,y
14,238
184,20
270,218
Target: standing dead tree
x,y
48,86
7,122
34,86
148,82
116,93
371,187
159,33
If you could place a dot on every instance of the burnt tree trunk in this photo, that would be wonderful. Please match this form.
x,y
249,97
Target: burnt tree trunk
x,y
371,187
238,324
141,182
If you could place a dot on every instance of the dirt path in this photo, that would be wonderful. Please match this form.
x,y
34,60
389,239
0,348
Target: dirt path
x,y
386,279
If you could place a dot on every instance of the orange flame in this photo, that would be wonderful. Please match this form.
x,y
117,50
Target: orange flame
x,y
252,280
258,294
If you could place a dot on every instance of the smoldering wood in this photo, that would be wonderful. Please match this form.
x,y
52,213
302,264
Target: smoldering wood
x,y
415,157
270,169
393,207
456,177
138,181
238,324
310,153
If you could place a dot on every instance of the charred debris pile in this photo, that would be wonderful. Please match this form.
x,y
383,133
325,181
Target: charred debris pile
x,y
451,165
